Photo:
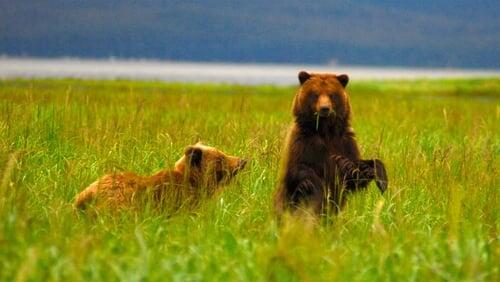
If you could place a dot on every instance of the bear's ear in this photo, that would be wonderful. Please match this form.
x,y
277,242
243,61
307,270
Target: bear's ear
x,y
194,155
343,79
303,77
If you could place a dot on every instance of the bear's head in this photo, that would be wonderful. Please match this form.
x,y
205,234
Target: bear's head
x,y
207,166
321,101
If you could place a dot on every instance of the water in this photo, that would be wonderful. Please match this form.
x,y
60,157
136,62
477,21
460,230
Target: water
x,y
247,74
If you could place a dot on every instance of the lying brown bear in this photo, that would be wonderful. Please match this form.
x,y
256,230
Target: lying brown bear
x,y
322,162
197,174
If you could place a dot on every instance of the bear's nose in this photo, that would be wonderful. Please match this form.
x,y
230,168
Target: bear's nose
x,y
241,165
324,111
243,162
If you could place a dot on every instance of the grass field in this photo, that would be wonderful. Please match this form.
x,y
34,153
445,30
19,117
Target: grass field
x,y
439,220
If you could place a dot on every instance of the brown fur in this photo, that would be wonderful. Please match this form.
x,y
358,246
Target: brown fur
x,y
198,173
321,161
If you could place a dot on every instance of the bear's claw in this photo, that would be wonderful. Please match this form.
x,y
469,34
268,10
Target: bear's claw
x,y
380,175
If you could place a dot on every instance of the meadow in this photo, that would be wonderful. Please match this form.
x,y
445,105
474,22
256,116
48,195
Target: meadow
x,y
438,221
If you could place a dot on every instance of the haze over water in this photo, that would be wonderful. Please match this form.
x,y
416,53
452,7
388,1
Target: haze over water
x,y
247,74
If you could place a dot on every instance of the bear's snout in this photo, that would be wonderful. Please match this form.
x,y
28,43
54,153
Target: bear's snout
x,y
237,164
324,111
242,164
324,106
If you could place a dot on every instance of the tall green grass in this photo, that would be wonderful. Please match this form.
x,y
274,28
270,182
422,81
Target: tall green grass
x,y
439,220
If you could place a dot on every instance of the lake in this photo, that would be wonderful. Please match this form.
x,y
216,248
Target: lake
x,y
238,73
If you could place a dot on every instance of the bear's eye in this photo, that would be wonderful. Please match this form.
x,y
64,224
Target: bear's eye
x,y
219,162
313,96
336,98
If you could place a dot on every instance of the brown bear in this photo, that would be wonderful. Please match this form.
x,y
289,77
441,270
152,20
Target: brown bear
x,y
197,174
321,162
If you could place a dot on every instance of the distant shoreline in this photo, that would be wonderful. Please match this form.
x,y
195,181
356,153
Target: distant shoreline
x,y
202,72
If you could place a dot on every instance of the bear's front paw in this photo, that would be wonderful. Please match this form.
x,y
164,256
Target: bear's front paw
x,y
380,175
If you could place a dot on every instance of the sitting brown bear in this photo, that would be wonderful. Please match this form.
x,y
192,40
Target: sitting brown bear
x,y
321,159
198,173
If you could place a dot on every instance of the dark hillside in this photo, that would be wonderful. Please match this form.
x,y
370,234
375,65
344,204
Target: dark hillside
x,y
437,33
